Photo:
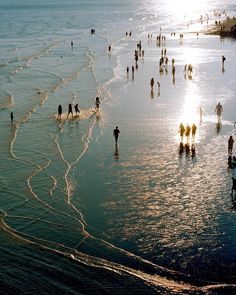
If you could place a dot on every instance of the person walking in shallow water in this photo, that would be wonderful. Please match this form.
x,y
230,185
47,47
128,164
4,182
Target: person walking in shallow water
x,y
230,145
12,117
116,133
219,110
70,111
77,109
59,112
97,102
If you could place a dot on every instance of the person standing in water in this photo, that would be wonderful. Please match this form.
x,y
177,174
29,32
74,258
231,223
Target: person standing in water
x,y
77,109
194,129
230,145
152,83
219,110
116,133
70,111
12,117
97,102
181,131
59,112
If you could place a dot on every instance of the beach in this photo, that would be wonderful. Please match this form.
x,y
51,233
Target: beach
x,y
151,215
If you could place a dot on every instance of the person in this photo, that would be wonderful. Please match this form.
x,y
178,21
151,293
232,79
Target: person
x,y
12,117
71,43
223,60
201,112
132,72
218,110
152,83
188,130
97,102
109,48
77,109
194,129
159,88
116,133
70,111
234,180
230,145
59,112
181,130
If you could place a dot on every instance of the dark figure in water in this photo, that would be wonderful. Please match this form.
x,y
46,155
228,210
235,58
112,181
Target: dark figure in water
x,y
223,63
230,145
132,72
187,131
194,129
71,43
219,110
59,112
12,117
77,109
109,48
70,111
97,102
116,133
152,83
181,131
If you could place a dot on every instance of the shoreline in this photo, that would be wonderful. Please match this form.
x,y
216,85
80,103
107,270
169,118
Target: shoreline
x,y
223,28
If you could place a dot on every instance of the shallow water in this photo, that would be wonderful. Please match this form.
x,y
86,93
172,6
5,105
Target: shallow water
x,y
79,215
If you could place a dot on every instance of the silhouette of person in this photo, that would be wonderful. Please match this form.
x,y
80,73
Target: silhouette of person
x,y
194,129
181,130
230,145
70,111
223,62
12,117
219,110
97,102
77,109
71,43
200,110
152,83
116,133
234,180
187,131
59,112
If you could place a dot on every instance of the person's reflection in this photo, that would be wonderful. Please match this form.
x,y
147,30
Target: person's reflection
x,y
116,154
218,127
152,93
181,149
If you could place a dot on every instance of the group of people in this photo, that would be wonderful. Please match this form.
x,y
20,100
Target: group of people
x,y
76,108
70,110
187,131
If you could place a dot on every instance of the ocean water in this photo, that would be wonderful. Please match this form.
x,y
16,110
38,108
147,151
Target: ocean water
x,y
81,216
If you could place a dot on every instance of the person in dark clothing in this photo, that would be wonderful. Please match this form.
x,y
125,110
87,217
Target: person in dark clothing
x,y
116,133
12,117
59,112
70,111
77,109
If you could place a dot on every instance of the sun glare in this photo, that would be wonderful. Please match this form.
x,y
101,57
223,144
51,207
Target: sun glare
x,y
190,113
